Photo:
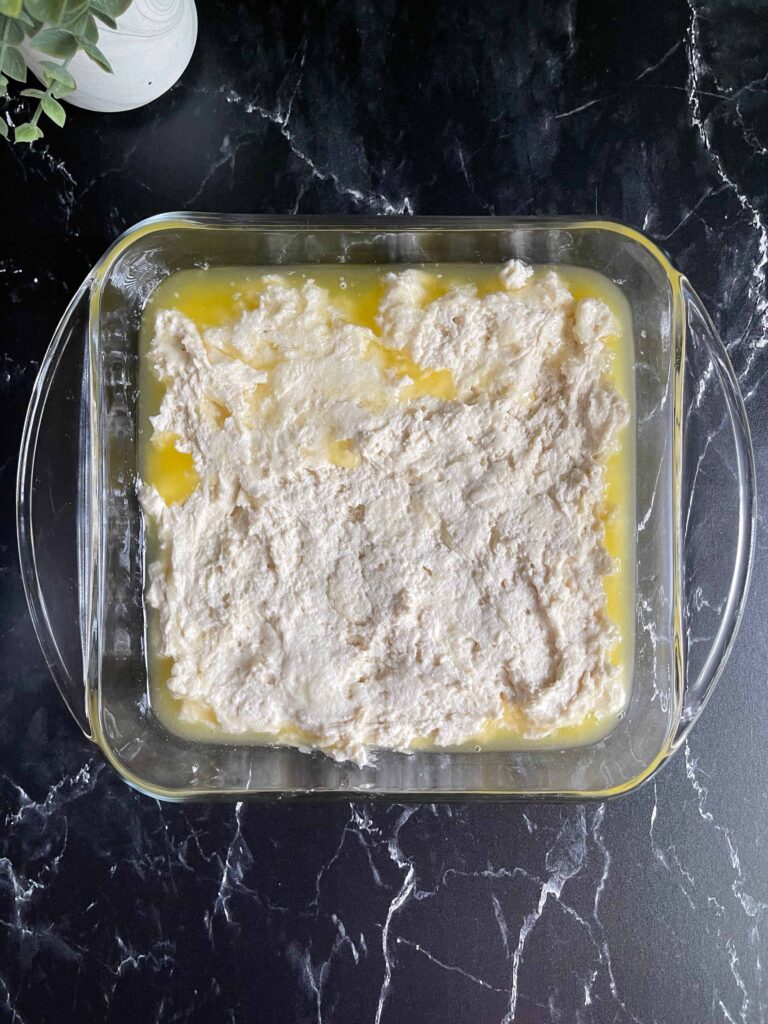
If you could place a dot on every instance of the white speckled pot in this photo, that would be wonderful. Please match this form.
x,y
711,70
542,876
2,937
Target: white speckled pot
x,y
148,51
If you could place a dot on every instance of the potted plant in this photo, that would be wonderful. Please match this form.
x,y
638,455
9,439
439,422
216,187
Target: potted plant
x,y
106,55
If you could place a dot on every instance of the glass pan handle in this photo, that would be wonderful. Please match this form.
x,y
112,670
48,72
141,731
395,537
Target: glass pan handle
x,y
732,486
52,519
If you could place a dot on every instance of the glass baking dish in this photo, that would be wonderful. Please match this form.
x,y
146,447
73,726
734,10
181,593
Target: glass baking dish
x,y
81,534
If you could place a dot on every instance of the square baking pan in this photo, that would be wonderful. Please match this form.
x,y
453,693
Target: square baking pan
x,y
81,532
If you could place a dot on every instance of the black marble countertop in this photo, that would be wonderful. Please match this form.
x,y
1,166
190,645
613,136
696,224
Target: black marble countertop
x,y
653,908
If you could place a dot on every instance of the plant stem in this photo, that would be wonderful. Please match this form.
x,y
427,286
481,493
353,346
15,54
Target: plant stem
x,y
48,92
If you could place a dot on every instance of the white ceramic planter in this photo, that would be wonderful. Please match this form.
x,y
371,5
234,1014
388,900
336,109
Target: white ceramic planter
x,y
148,51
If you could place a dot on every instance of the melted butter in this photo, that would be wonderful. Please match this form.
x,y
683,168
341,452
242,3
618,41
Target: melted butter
x,y
343,453
172,472
211,298
218,297
423,382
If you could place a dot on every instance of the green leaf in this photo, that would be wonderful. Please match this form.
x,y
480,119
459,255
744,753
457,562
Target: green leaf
x,y
12,8
3,129
96,56
84,28
3,86
11,31
50,11
27,132
59,91
53,109
33,23
36,94
74,23
114,8
13,64
74,8
91,32
105,19
55,42
57,73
